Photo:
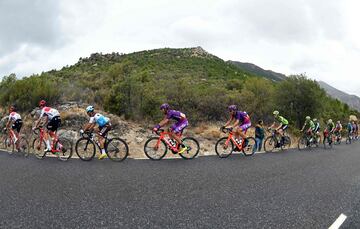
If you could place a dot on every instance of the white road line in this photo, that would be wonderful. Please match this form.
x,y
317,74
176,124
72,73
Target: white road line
x,y
337,224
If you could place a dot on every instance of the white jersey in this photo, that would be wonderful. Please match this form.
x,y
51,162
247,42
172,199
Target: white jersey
x,y
50,112
14,116
101,120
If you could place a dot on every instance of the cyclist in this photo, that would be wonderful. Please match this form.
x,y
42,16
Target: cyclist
x,y
52,121
104,126
338,129
16,123
283,123
241,123
356,130
309,126
317,128
177,128
330,128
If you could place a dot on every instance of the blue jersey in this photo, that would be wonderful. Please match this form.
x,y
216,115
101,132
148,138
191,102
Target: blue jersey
x,y
99,119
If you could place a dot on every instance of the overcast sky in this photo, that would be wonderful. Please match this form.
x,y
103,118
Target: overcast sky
x,y
318,37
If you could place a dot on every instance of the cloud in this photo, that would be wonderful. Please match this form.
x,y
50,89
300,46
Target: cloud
x,y
312,36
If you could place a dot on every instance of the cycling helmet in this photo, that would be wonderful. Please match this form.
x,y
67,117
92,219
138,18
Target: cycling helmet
x,y
232,108
276,113
42,103
315,120
308,118
165,106
338,122
329,121
89,109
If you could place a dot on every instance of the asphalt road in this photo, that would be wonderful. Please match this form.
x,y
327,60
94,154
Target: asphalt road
x,y
278,190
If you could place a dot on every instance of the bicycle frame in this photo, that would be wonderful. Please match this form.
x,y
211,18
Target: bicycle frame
x,y
90,136
56,139
230,138
162,135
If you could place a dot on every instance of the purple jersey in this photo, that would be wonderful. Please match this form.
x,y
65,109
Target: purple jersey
x,y
176,115
242,116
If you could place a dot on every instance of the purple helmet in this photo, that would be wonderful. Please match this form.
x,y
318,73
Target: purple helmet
x,y
232,108
164,106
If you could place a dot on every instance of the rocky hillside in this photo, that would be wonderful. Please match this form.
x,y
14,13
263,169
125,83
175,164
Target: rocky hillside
x,y
256,70
352,100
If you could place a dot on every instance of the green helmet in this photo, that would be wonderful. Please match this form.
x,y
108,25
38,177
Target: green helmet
x,y
276,113
308,118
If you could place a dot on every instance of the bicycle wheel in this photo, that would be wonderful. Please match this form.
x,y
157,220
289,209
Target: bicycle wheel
x,y
303,143
117,149
10,146
85,149
327,142
348,140
154,151
223,148
193,148
39,148
286,143
270,144
24,146
65,147
250,147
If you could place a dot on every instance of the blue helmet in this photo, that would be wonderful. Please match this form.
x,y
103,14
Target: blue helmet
x,y
165,106
89,109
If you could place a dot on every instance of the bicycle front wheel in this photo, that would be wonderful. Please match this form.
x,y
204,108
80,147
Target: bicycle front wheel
x,y
154,149
117,149
224,148
85,149
270,144
193,148
39,147
65,147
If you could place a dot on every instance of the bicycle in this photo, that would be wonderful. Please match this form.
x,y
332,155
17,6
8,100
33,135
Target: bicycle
x,y
8,142
338,138
349,138
225,146
308,141
115,148
328,139
272,142
156,148
61,147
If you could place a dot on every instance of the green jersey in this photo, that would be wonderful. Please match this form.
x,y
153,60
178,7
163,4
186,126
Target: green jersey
x,y
282,120
310,124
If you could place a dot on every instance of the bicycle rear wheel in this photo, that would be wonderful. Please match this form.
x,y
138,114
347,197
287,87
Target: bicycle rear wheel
x,y
193,148
223,148
154,151
39,148
85,149
117,149
250,147
286,144
65,147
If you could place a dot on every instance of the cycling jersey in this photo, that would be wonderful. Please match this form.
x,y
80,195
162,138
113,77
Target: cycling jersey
x,y
176,115
330,126
310,124
350,127
282,120
50,112
99,119
181,123
317,126
338,127
14,116
242,116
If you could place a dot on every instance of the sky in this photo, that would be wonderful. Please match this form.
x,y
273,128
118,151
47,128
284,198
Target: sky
x,y
319,38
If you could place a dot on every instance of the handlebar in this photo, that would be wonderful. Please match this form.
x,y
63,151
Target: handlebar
x,y
226,130
159,131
